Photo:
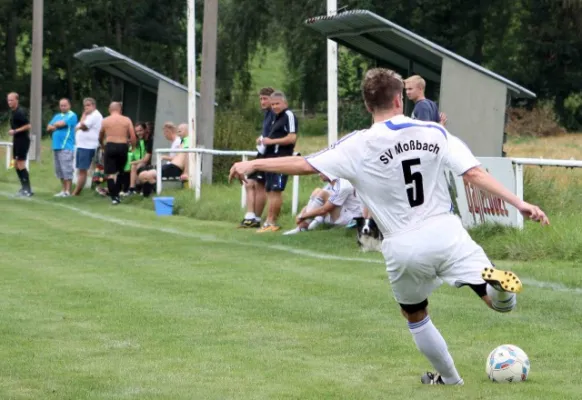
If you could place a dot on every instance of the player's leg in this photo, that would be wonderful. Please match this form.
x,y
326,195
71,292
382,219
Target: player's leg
x,y
468,265
260,199
499,291
431,344
67,159
319,198
111,160
21,145
274,185
250,186
411,273
121,162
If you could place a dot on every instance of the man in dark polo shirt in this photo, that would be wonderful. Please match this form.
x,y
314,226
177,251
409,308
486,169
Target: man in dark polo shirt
x,y
19,130
279,143
424,109
256,197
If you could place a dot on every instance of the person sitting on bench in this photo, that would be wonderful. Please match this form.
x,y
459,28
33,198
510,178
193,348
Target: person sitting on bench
x,y
176,168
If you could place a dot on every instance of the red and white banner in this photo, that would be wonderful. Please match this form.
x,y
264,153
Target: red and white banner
x,y
476,207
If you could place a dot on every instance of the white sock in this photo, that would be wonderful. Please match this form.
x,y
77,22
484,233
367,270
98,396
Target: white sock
x,y
258,219
431,343
250,215
319,219
501,301
314,202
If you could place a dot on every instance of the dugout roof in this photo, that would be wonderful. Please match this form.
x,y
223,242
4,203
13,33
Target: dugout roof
x,y
124,67
381,39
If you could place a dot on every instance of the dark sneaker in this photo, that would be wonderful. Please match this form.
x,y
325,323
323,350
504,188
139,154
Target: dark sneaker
x,y
255,224
115,201
431,379
246,223
503,281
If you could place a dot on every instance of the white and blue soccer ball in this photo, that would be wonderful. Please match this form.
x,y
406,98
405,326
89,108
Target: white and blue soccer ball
x,y
507,364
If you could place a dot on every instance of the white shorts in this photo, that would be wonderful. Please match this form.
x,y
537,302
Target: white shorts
x,y
344,218
418,261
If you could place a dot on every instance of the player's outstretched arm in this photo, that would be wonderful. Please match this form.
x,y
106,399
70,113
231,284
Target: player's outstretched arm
x,y
485,181
293,165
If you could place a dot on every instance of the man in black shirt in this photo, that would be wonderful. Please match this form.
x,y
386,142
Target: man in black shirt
x,y
279,143
19,130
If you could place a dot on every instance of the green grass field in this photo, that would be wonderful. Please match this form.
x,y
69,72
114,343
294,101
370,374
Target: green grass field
x,y
103,302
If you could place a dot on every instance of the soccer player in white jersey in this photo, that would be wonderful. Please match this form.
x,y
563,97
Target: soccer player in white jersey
x,y
335,204
397,167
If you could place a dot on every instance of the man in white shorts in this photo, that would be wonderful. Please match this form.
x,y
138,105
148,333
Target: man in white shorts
x,y
397,167
335,204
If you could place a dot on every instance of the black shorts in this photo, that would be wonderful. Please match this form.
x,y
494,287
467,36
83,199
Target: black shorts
x,y
20,146
275,182
115,158
147,167
257,176
171,171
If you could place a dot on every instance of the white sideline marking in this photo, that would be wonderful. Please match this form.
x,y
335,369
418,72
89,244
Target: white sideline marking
x,y
558,287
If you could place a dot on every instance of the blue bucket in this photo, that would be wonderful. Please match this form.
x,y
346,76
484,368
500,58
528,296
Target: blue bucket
x,y
164,205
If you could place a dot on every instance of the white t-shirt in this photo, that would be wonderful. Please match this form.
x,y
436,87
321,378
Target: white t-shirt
x,y
176,144
89,139
398,169
344,195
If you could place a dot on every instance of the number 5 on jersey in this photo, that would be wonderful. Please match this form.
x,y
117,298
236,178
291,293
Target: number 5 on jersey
x,y
413,181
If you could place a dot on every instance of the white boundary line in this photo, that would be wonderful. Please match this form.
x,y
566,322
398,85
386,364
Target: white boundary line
x,y
554,286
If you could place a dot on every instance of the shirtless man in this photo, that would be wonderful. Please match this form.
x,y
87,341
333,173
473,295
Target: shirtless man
x,y
116,131
177,167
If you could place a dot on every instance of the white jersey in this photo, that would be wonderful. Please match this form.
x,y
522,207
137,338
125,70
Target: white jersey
x,y
398,169
344,195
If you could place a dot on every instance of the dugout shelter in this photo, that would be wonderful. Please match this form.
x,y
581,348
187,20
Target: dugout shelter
x,y
474,98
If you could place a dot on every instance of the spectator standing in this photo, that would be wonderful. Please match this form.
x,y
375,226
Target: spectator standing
x,y
62,129
19,130
280,142
256,196
87,141
424,109
116,131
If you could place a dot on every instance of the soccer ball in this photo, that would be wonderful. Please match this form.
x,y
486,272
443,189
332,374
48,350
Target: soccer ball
x,y
507,363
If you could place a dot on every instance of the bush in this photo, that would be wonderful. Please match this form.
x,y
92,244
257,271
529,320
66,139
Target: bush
x,y
539,122
353,115
573,111
313,125
233,130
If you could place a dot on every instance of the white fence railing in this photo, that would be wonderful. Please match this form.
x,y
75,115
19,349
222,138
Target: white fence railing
x,y
198,152
8,150
541,162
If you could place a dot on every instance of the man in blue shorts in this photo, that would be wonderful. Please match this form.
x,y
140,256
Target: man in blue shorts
x,y
87,141
255,185
279,143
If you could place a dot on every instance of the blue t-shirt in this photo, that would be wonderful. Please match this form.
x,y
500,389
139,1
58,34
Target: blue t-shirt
x,y
426,110
267,122
64,138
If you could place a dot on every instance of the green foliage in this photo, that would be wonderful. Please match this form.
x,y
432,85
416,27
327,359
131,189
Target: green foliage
x,y
233,131
313,125
352,115
573,111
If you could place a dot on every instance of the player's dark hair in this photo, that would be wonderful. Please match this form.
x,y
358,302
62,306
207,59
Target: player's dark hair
x,y
266,91
379,88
